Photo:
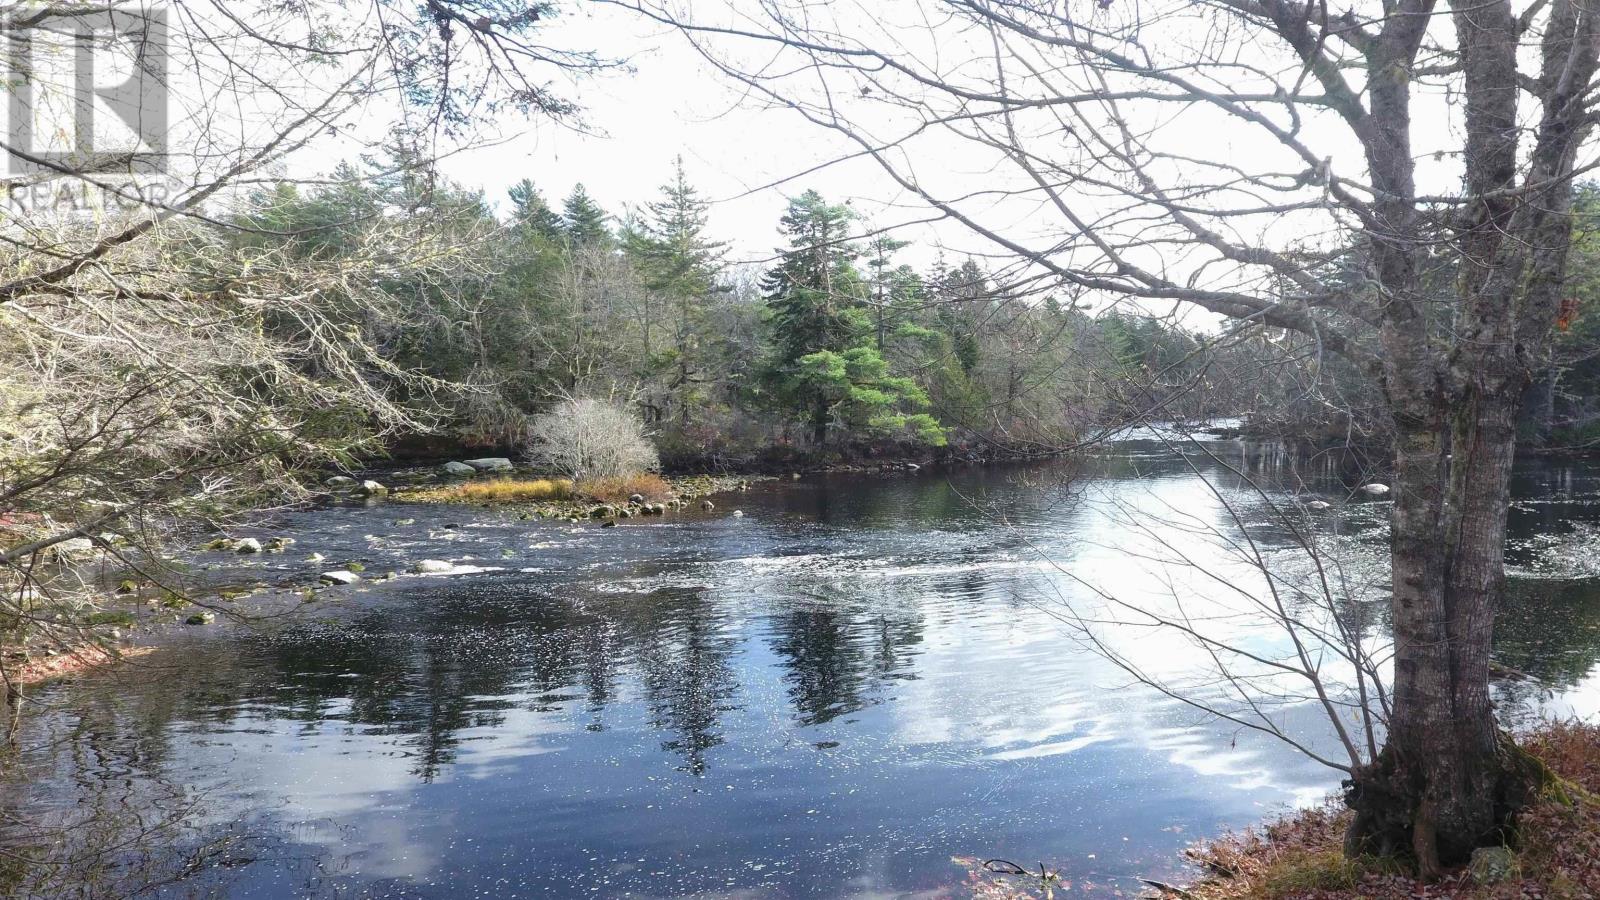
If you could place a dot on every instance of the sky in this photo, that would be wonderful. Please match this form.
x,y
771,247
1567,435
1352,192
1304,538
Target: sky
x,y
744,158
748,157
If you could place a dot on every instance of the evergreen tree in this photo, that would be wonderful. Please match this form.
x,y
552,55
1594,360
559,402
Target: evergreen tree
x,y
895,290
859,394
529,210
678,258
814,297
825,365
681,264
815,293
961,297
583,220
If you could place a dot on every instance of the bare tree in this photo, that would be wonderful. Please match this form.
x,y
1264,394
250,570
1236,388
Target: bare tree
x,y
1202,153
588,438
167,354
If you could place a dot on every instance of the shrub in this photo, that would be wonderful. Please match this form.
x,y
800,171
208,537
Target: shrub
x,y
618,489
505,490
588,439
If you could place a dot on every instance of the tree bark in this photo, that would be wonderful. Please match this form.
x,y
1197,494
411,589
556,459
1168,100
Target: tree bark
x,y
819,423
1446,781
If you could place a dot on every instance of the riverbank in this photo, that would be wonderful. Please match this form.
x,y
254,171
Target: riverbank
x,y
89,657
775,460
227,581
1556,852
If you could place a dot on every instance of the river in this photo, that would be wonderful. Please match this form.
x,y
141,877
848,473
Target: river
x,y
832,695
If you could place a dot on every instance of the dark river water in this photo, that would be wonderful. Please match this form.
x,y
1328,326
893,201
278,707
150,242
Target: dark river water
x,y
861,679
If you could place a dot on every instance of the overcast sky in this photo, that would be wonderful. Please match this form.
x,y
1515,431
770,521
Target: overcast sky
x,y
671,102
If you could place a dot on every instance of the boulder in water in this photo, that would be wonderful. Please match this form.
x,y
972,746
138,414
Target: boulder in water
x,y
455,469
339,576
340,482
248,545
1318,505
432,567
370,488
1375,490
490,464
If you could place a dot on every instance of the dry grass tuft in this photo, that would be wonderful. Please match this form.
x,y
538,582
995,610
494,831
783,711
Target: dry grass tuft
x,y
503,490
653,488
1300,856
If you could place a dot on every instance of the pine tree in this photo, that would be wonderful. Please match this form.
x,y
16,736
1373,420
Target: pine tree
x,y
816,302
897,292
681,264
962,297
529,209
679,259
815,293
583,220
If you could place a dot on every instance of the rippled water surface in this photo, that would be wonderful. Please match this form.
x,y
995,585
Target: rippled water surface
x,y
832,695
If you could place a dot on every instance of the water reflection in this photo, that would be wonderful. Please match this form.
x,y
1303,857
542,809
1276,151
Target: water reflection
x,y
829,697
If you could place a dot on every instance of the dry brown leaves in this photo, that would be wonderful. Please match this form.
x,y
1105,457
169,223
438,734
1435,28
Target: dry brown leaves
x,y
1298,857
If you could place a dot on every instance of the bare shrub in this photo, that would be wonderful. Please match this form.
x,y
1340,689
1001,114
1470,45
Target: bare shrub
x,y
587,438
653,488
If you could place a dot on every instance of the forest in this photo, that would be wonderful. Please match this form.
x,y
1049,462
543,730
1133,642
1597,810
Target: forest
x,y
835,348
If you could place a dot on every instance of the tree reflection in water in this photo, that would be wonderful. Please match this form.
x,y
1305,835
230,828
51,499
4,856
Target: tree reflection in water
x,y
889,617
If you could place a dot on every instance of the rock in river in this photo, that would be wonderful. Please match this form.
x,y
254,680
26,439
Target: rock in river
x,y
371,488
432,567
339,576
1375,490
457,470
340,482
491,464
248,545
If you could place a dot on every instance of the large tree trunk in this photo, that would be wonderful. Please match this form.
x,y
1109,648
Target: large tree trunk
x,y
1447,780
